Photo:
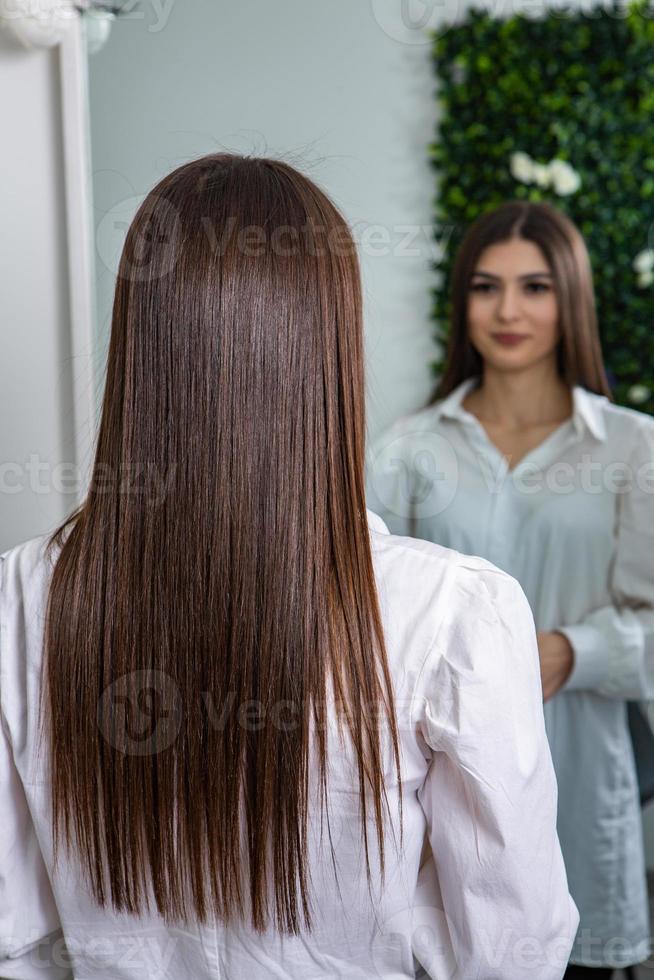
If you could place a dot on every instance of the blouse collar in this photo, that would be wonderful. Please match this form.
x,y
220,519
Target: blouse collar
x,y
375,522
587,413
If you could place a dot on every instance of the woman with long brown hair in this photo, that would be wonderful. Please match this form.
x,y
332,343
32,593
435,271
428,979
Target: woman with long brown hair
x,y
522,457
233,704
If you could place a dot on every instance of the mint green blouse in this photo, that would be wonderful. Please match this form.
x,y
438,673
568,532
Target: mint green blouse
x,y
573,522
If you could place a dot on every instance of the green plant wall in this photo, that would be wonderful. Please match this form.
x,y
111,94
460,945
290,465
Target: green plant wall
x,y
569,86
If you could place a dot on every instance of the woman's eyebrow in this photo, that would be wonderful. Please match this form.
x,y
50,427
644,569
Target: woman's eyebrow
x,y
526,275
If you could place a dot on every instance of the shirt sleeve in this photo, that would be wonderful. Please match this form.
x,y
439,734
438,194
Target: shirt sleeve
x,y
31,942
490,794
391,478
613,646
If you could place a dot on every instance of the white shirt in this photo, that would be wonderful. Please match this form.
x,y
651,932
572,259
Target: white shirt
x,y
477,776
573,522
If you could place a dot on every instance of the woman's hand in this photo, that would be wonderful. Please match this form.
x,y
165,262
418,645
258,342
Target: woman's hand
x,y
556,661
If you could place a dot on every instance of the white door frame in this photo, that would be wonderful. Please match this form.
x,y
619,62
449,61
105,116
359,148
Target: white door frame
x,y
64,30
73,65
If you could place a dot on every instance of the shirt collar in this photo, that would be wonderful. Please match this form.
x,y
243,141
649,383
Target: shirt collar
x,y
589,410
375,522
587,413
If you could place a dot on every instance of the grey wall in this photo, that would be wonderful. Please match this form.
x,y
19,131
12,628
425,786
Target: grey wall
x,y
322,84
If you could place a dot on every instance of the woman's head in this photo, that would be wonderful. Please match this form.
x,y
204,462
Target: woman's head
x,y
238,311
523,268
235,377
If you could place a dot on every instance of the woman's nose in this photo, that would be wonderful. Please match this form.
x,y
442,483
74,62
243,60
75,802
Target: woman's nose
x,y
508,305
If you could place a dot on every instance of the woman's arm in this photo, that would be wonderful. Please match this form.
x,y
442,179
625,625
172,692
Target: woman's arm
x,y
490,794
391,476
613,646
31,941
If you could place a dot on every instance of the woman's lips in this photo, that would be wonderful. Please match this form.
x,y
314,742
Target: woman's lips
x,y
509,339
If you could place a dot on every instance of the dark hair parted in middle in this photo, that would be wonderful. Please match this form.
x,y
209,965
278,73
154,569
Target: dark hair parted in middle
x,y
579,354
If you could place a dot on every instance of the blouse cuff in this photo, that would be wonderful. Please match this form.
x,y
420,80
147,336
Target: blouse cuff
x,y
590,667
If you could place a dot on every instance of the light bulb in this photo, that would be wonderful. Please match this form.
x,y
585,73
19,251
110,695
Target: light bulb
x,y
97,28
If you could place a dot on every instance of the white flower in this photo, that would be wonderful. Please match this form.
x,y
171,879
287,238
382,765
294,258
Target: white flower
x,y
638,394
542,174
565,178
644,261
522,167
646,278
558,174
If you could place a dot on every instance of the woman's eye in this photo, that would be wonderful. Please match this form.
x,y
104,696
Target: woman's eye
x,y
530,287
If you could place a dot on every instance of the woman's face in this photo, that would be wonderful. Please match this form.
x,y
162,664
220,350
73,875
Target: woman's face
x,y
512,293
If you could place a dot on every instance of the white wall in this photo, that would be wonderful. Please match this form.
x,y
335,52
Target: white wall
x,y
36,426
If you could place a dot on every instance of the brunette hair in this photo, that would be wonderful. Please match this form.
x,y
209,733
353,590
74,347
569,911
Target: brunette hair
x,y
579,353
235,371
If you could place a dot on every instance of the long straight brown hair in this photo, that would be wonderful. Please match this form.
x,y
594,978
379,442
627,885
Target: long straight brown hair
x,y
579,354
239,583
